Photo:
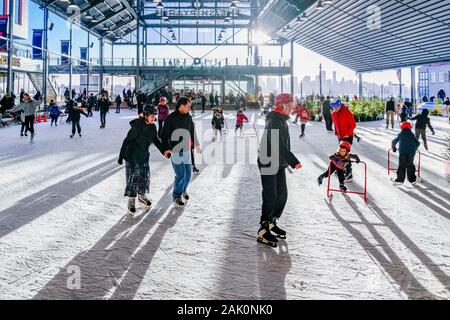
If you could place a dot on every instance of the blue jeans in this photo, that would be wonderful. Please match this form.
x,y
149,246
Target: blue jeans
x,y
182,167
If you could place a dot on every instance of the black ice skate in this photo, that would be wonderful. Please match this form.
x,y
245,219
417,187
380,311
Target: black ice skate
x,y
195,170
144,201
185,197
71,136
265,236
179,203
132,205
320,179
342,187
280,233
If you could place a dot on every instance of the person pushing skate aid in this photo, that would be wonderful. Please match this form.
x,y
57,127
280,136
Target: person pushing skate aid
x,y
274,156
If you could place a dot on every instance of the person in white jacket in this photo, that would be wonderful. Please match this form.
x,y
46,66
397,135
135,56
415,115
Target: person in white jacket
x,y
28,106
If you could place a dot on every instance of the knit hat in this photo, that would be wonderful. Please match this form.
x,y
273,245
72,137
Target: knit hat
x,y
346,145
150,110
405,125
336,104
283,98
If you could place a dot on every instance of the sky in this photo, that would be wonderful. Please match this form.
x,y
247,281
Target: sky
x,y
306,62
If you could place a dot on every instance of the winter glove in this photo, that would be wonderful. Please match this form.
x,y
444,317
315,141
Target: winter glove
x,y
433,133
120,161
357,160
394,149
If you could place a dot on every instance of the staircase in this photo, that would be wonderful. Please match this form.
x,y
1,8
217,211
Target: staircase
x,y
150,89
36,80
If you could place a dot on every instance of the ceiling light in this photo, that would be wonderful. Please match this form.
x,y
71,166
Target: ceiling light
x,y
320,6
327,1
159,6
233,6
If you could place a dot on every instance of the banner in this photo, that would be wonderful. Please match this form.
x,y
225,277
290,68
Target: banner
x,y
3,33
37,42
83,55
65,50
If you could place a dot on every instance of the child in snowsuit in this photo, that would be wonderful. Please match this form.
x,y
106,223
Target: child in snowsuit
x,y
54,113
408,145
217,123
303,113
136,155
75,115
338,162
421,126
240,119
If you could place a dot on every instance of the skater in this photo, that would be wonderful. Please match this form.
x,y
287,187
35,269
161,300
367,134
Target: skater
x,y
240,119
202,96
163,113
326,113
274,156
338,162
92,101
390,112
75,115
54,112
136,155
118,103
28,106
344,127
408,145
447,108
211,100
178,135
103,105
303,113
403,113
421,126
217,123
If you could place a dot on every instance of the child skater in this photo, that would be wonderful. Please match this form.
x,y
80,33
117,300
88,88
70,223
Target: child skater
x,y
421,126
338,162
240,119
408,145
217,123
75,115
54,112
136,155
303,113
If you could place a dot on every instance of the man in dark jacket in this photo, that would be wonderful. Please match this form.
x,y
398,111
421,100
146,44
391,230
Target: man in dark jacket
x,y
326,112
421,126
103,105
274,156
135,152
408,145
118,103
177,137
141,100
390,112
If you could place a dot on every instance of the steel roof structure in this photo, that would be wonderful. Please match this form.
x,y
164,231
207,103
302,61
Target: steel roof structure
x,y
371,35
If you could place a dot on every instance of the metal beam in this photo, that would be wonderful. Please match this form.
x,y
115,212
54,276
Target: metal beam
x,y
154,16
10,80
196,26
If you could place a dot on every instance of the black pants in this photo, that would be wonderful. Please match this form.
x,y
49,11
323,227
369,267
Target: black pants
x,y
422,133
406,164
332,169
140,107
23,128
328,121
118,108
76,124
160,127
192,157
29,123
89,110
274,195
302,126
203,107
103,118
54,120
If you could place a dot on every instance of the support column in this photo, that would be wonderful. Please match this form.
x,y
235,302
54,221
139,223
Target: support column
x,y
413,85
360,85
45,56
281,77
223,90
102,58
292,68
256,75
112,75
9,77
138,55
70,61
320,81
88,73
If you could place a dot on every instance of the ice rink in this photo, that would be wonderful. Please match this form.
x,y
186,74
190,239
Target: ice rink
x,y
63,215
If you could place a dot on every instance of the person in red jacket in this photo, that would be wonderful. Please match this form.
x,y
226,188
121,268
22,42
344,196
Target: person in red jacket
x,y
344,127
163,113
240,119
303,114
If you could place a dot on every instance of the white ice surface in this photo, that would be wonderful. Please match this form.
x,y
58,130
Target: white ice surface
x,y
62,206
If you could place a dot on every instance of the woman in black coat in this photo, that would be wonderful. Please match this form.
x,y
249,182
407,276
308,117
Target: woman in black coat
x,y
136,155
